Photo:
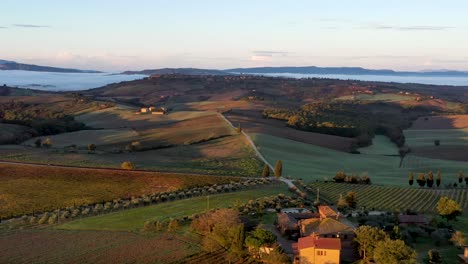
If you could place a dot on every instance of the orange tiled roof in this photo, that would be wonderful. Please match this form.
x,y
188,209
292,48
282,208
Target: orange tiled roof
x,y
319,243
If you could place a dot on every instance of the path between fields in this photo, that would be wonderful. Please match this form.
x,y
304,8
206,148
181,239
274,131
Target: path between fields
x,y
289,182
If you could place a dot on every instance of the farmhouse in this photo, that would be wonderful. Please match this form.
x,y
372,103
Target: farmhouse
x,y
405,219
317,250
288,223
153,110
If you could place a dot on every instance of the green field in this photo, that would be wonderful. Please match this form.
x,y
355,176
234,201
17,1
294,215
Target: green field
x,y
132,220
426,137
311,163
422,200
381,145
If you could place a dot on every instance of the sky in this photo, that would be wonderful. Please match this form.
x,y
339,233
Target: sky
x,y
122,35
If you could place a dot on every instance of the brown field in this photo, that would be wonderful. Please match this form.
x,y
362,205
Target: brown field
x,y
457,153
27,188
51,246
252,122
441,122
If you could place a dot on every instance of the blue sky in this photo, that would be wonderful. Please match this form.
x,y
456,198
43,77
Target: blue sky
x,y
120,35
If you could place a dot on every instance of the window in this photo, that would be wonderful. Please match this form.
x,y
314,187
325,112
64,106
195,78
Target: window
x,y
321,253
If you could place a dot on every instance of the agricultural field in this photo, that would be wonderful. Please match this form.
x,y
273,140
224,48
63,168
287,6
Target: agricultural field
x,y
230,155
385,97
252,122
450,131
59,246
311,163
381,145
26,188
133,219
391,198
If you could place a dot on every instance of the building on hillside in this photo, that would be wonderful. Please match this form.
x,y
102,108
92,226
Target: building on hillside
x,y
288,223
327,227
407,220
317,250
464,257
144,110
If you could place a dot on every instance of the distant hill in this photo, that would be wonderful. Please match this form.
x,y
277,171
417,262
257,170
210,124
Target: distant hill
x,y
343,71
188,71
11,65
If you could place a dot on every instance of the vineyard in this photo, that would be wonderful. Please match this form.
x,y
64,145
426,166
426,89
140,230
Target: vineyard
x,y
26,189
390,198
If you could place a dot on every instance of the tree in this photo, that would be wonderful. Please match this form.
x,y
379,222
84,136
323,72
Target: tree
x,y
460,177
367,238
266,171
351,199
239,128
448,208
394,252
276,256
341,202
430,179
38,143
437,142
47,143
173,225
457,239
421,179
127,165
433,256
260,237
278,168
439,178
91,148
411,178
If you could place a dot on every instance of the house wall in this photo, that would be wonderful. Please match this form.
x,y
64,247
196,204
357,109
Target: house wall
x,y
319,256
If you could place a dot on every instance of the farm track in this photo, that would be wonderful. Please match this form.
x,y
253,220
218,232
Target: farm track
x,y
289,182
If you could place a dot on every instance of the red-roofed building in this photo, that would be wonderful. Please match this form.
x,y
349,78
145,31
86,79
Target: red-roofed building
x,y
317,250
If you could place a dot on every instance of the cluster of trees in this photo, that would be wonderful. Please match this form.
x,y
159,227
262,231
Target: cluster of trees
x,y
223,230
354,179
427,179
47,143
43,119
349,201
374,244
133,202
256,207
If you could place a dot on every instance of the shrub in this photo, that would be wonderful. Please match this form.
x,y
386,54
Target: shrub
x,y
127,165
437,142
47,143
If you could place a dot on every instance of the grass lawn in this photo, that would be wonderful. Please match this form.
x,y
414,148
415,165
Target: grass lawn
x,y
381,145
133,219
311,163
447,252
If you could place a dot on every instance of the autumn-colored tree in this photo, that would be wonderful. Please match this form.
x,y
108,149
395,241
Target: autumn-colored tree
x,y
266,171
457,239
341,202
47,143
448,208
351,199
173,225
421,180
439,178
91,148
433,256
127,165
411,178
366,239
394,252
279,168
430,179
